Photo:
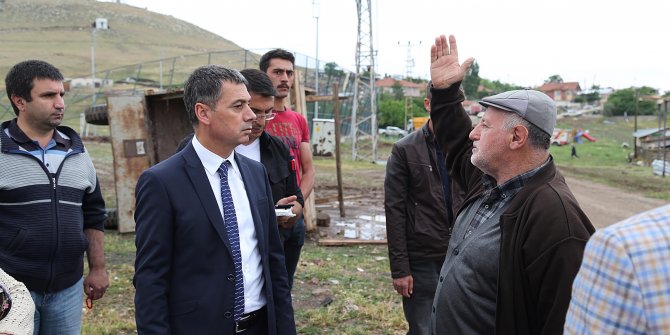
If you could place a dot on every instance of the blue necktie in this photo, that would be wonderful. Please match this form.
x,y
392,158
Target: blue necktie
x,y
230,220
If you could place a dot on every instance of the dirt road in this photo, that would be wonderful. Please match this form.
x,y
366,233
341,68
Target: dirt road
x,y
606,205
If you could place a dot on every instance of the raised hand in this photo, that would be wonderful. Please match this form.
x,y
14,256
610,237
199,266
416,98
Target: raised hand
x,y
444,67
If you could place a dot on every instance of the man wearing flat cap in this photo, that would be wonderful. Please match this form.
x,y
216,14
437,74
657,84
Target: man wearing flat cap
x,y
519,236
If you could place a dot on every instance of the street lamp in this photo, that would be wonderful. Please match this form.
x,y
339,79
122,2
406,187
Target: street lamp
x,y
315,14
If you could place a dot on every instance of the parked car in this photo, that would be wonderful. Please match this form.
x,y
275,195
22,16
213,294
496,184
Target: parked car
x,y
572,113
393,131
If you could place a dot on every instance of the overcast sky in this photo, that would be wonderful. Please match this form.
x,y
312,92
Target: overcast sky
x,y
607,43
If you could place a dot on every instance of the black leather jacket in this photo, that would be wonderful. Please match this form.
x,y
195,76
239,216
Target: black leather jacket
x,y
277,160
417,224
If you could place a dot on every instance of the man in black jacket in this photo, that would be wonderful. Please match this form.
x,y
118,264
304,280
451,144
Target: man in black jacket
x,y
269,150
419,200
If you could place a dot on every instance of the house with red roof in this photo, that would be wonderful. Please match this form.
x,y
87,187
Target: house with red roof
x,y
561,92
409,88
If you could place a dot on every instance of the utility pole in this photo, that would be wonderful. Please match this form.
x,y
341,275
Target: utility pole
x,y
665,133
99,24
409,60
637,107
408,111
409,69
315,14
364,123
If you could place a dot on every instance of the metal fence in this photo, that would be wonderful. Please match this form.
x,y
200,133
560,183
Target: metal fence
x,y
85,90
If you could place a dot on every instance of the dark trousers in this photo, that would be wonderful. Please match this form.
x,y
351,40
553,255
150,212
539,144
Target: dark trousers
x,y
293,240
418,307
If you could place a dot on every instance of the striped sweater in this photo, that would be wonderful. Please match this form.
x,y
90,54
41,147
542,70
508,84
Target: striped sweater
x,y
43,215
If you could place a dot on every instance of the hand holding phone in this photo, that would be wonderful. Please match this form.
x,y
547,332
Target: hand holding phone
x,y
284,210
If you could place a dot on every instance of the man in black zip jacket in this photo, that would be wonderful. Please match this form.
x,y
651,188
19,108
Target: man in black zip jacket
x,y
419,200
51,207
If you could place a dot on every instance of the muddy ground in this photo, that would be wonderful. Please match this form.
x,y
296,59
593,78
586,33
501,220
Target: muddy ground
x,y
364,202
603,204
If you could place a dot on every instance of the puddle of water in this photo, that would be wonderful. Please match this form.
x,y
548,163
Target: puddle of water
x,y
363,227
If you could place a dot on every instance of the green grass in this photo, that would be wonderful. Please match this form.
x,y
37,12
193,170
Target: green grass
x,y
115,312
605,160
356,278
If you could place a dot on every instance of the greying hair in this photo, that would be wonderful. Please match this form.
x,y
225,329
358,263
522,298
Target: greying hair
x,y
536,137
204,86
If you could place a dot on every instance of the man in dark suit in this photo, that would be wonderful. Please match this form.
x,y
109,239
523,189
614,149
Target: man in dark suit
x,y
206,226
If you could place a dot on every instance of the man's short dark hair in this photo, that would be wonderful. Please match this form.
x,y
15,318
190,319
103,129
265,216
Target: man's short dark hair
x,y
19,79
259,82
204,86
272,54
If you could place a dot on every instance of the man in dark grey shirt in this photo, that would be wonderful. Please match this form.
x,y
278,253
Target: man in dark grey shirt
x,y
470,279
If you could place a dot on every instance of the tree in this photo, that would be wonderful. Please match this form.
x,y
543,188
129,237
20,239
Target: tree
x,y
471,81
495,87
331,70
554,79
590,98
623,102
391,112
398,93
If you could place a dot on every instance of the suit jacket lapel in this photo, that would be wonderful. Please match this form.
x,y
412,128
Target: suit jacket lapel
x,y
196,173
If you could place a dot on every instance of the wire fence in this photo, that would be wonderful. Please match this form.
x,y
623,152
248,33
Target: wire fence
x,y
85,90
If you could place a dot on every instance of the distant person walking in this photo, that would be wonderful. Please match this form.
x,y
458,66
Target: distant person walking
x,y
573,153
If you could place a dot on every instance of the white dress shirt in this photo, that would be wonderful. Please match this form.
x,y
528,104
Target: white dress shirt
x,y
252,268
252,151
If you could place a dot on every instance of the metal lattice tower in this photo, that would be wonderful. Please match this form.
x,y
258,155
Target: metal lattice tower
x,y
409,61
364,110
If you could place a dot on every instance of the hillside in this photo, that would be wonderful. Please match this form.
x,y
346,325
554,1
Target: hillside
x,y
59,31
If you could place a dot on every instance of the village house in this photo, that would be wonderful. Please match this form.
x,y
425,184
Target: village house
x,y
409,89
562,93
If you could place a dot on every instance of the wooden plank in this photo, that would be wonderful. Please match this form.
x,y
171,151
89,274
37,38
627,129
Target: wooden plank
x,y
321,201
338,161
299,105
344,242
319,98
